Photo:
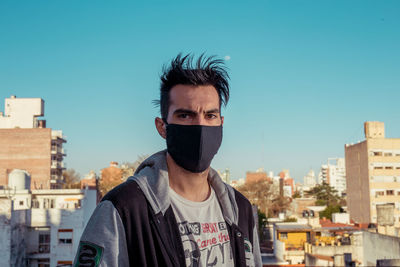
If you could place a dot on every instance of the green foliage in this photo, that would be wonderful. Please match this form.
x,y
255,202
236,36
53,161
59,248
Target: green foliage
x,y
327,212
262,222
262,219
320,202
296,194
325,195
290,220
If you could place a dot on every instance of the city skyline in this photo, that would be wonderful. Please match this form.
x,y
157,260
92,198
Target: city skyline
x,y
304,76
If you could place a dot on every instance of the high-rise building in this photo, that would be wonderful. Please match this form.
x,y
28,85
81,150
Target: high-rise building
x,y
323,174
309,180
373,174
225,176
26,143
336,176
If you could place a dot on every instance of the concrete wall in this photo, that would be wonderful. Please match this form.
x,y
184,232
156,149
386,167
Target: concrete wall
x,y
377,246
27,149
21,112
310,260
5,232
279,250
358,195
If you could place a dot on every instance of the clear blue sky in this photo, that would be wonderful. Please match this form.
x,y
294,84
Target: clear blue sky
x,y
305,75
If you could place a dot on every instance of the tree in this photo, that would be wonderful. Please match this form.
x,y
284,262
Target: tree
x,y
263,194
129,168
296,194
325,195
279,204
113,176
327,212
71,179
258,193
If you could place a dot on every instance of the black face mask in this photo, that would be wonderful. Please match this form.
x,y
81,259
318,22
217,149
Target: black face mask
x,y
193,146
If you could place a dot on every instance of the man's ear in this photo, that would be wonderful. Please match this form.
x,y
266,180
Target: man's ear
x,y
222,120
161,127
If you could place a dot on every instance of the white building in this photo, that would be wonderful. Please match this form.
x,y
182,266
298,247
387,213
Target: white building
x,y
334,174
323,174
337,174
42,227
225,176
309,180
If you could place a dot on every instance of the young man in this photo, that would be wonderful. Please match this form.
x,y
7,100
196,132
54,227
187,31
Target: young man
x,y
175,210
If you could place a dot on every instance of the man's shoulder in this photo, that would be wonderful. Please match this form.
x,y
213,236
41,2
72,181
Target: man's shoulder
x,y
127,194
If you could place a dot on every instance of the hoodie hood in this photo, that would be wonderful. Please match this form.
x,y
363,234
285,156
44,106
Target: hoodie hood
x,y
152,178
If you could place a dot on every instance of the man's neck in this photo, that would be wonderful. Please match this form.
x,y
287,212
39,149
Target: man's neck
x,y
192,186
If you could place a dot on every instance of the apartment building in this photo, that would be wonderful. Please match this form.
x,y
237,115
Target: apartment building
x,y
26,143
41,227
334,174
373,174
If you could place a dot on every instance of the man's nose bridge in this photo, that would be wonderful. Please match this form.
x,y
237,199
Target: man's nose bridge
x,y
199,119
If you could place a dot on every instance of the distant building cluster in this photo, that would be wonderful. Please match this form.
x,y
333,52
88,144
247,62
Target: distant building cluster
x,y
365,233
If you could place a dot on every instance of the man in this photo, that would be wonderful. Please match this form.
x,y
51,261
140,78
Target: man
x,y
175,210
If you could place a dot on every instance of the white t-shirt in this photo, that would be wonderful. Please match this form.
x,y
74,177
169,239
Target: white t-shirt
x,y
203,231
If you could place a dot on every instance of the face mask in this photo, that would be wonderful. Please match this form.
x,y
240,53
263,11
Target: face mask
x,y
193,146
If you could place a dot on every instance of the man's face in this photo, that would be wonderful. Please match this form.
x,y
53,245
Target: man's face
x,y
194,105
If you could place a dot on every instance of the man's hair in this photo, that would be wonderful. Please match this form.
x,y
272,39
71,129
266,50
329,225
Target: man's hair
x,y
205,71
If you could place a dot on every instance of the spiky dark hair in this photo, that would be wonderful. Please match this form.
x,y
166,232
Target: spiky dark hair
x,y
182,70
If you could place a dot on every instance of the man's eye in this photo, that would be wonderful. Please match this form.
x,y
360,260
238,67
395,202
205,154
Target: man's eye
x,y
183,116
211,116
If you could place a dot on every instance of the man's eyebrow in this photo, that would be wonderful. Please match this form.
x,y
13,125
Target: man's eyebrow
x,y
182,110
215,110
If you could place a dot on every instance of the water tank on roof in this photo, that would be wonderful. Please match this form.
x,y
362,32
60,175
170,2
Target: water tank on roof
x,y
19,179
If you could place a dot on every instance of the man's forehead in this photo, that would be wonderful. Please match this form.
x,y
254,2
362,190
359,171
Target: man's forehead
x,y
194,97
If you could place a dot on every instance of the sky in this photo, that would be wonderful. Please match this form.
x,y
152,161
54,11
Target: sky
x,y
305,75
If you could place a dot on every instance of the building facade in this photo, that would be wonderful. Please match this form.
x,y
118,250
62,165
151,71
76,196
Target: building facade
x,y
337,175
26,143
373,174
43,227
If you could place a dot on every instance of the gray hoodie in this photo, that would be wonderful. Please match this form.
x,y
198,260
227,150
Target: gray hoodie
x,y
108,238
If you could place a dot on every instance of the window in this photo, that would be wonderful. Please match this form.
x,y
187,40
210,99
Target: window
x,y
390,192
21,203
377,153
44,242
35,203
388,154
78,204
65,236
283,235
389,168
43,262
48,203
378,168
64,263
379,193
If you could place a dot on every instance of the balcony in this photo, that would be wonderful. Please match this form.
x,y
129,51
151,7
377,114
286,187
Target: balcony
x,y
58,150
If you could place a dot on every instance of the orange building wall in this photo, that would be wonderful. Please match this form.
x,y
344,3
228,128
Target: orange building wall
x,y
252,177
27,149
